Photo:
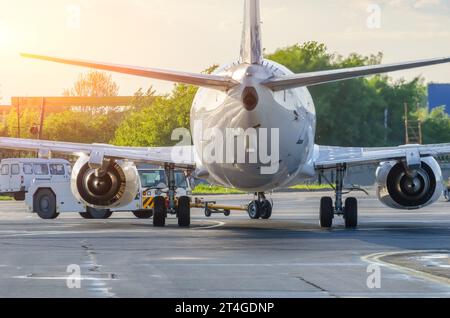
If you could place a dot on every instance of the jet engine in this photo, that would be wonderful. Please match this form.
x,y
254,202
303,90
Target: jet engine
x,y
115,185
409,189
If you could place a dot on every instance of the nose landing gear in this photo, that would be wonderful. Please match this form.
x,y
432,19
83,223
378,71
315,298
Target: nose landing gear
x,y
349,210
181,207
260,208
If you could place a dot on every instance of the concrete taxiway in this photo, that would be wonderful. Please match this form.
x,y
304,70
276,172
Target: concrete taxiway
x,y
288,256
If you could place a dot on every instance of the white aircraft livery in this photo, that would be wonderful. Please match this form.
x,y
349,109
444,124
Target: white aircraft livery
x,y
269,111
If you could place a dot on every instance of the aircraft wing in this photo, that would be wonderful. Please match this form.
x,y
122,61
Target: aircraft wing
x,y
321,77
331,157
204,80
181,157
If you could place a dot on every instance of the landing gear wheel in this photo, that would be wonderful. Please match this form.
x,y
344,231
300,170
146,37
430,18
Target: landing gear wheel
x,y
326,212
160,212
86,215
254,211
266,210
45,204
184,212
97,214
143,214
351,213
227,213
208,213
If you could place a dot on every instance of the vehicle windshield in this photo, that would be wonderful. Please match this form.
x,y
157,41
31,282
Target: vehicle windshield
x,y
180,179
152,178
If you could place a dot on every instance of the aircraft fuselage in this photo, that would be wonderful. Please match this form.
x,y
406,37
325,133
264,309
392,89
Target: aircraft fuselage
x,y
287,118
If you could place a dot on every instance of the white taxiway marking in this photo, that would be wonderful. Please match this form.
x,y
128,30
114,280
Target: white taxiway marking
x,y
376,259
85,278
39,233
261,265
218,224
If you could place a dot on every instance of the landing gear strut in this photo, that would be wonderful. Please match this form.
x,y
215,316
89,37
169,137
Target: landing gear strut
x,y
349,210
179,207
260,208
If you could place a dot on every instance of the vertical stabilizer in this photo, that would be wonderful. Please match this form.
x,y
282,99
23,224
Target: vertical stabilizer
x,y
251,47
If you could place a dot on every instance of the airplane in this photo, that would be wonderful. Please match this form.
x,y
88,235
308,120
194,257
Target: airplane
x,y
250,94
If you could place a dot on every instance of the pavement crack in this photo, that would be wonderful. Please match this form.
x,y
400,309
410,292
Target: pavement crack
x,y
315,286
93,267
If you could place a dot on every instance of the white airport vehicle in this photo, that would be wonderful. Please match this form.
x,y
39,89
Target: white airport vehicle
x,y
16,174
250,95
50,197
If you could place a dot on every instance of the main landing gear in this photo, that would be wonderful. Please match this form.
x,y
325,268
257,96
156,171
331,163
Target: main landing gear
x,y
261,208
180,207
349,210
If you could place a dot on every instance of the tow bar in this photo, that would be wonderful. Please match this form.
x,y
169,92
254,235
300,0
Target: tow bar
x,y
211,207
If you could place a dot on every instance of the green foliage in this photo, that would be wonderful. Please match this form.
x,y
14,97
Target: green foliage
x,y
86,124
352,113
204,189
349,113
435,125
396,95
79,126
152,125
29,117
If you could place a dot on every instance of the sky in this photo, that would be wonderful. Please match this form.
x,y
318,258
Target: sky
x,y
191,35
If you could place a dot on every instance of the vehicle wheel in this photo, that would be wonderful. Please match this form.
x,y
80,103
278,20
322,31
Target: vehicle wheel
x,y
254,211
227,213
326,212
98,214
143,214
351,213
19,196
184,212
266,210
45,204
159,212
86,215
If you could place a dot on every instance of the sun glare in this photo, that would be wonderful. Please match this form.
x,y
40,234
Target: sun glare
x,y
6,37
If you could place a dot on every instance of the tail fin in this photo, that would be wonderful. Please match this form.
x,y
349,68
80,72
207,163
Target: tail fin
x,y
251,47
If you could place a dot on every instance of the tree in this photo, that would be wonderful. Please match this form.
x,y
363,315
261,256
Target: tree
x,y
93,84
352,113
152,119
153,124
435,125
86,124
29,117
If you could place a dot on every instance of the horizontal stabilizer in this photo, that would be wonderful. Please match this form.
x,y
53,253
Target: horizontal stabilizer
x,y
203,80
321,77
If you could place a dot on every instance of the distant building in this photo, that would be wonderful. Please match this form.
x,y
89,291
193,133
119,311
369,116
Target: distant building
x,y
439,95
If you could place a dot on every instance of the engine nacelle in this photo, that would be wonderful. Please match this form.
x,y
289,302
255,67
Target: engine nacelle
x,y
400,189
115,187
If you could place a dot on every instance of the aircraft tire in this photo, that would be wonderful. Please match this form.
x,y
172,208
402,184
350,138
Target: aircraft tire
x,y
326,212
254,210
159,212
184,212
266,210
351,213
